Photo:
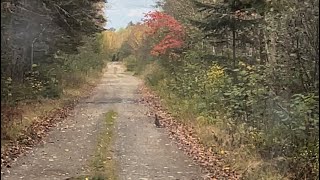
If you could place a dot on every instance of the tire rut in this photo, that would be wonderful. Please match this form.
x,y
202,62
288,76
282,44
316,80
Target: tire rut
x,y
141,150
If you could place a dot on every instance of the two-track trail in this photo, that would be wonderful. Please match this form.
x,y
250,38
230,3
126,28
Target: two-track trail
x,y
141,151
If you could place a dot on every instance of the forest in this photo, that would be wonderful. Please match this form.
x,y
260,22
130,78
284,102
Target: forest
x,y
243,73
51,55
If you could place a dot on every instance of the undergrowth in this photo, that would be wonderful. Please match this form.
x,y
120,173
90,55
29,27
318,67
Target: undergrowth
x,y
47,87
214,107
14,120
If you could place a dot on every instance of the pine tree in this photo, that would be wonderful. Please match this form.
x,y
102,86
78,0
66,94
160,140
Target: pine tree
x,y
228,17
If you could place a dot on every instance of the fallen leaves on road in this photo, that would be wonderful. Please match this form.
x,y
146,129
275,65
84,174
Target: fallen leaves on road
x,y
34,133
186,139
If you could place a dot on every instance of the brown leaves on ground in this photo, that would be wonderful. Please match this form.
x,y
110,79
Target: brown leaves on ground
x,y
33,134
187,140
8,114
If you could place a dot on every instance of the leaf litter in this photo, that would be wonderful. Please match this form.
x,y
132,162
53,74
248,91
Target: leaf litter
x,y
185,137
34,134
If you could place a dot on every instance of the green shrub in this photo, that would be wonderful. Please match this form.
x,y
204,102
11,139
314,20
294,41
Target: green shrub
x,y
131,63
246,109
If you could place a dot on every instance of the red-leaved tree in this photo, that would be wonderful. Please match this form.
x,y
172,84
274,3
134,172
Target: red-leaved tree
x,y
170,31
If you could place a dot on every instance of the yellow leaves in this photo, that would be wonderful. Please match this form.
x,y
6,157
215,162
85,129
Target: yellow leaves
x,y
113,40
216,72
136,37
133,35
247,66
215,75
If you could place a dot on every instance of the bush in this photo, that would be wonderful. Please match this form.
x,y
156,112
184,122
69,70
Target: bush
x,y
48,78
131,63
245,109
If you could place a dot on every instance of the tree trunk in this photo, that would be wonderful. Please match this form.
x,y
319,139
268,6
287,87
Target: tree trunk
x,y
234,48
272,49
262,54
235,64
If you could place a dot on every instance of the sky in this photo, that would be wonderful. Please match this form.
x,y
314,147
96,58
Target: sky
x,y
120,12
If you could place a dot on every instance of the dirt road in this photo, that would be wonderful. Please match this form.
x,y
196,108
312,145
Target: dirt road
x,y
141,150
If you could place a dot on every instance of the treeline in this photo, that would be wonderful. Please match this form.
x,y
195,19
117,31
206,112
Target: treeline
x,y
125,41
47,46
245,73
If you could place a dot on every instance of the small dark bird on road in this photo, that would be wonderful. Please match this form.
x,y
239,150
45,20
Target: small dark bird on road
x,y
156,121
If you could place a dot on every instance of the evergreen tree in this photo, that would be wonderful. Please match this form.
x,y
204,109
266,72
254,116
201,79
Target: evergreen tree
x,y
228,17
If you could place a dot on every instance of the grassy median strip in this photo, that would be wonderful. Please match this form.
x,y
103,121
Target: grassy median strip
x,y
103,164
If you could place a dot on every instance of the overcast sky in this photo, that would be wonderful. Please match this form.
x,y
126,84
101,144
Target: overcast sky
x,y
120,12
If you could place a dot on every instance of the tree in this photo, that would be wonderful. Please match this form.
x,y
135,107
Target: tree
x,y
130,24
262,85
169,31
233,16
112,29
47,26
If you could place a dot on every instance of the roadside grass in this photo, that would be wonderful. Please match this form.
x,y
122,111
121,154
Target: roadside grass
x,y
243,159
28,112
